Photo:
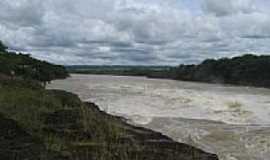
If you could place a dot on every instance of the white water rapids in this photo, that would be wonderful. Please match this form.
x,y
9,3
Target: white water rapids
x,y
233,122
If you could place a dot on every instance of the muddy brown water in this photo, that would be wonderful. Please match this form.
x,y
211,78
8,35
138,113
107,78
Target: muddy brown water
x,y
233,122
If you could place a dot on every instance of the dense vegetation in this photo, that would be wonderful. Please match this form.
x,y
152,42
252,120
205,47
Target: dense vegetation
x,y
40,124
118,70
23,66
3,48
243,70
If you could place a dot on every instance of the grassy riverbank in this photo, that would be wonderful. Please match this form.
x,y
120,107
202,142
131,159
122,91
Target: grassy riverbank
x,y
53,124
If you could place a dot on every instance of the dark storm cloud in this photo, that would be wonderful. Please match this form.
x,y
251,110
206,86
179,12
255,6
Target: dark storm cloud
x,y
256,36
229,7
135,31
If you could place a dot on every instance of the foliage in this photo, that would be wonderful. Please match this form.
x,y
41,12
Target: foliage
x,y
3,48
243,70
120,70
25,67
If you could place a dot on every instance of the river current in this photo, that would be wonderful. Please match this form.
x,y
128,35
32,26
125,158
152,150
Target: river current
x,y
232,122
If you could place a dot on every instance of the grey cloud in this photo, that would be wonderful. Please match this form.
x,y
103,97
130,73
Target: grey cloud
x,y
26,13
134,32
228,7
254,36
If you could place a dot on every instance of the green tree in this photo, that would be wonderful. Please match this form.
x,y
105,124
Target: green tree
x,y
3,48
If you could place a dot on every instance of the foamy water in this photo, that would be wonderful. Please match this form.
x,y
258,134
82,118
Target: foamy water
x,y
233,122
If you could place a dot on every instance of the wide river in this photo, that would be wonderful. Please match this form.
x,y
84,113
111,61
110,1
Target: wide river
x,y
233,122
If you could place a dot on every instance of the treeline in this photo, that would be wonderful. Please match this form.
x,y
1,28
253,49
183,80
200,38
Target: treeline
x,y
243,70
23,66
251,70
117,70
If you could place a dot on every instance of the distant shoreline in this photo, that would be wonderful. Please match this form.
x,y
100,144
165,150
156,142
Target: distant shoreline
x,y
202,82
247,70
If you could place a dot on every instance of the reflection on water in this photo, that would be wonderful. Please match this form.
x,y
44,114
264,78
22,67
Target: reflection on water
x,y
230,121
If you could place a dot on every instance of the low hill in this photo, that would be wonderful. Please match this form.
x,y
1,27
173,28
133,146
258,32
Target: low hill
x,y
23,66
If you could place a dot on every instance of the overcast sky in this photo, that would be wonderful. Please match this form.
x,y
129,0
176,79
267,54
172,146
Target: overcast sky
x,y
135,32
